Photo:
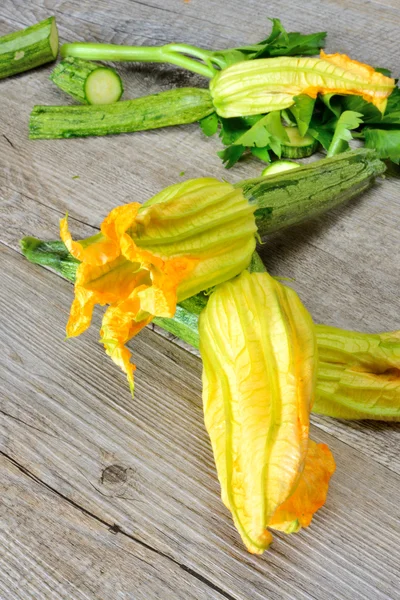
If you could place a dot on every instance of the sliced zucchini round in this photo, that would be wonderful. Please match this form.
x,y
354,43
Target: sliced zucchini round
x,y
298,146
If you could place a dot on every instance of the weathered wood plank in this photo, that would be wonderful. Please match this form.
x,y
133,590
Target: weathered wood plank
x,y
293,249
52,549
67,415
147,465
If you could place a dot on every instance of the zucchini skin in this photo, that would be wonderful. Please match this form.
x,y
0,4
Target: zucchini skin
x,y
174,107
294,196
71,76
292,151
29,48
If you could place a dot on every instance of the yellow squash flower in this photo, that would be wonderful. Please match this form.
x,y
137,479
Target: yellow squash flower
x,y
358,374
259,352
191,236
263,85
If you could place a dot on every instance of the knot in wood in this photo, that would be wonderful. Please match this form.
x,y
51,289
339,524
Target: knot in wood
x,y
114,474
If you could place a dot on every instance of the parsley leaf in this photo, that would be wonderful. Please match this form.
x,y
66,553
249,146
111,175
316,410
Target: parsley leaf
x,y
261,153
385,141
302,111
278,43
257,135
209,125
231,155
340,141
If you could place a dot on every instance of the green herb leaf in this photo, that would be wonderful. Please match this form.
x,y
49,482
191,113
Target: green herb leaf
x,y
356,103
231,155
261,153
333,102
278,43
302,111
347,121
385,141
384,71
232,129
257,135
267,133
209,125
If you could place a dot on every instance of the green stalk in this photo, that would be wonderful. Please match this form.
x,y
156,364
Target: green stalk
x,y
174,107
174,54
29,48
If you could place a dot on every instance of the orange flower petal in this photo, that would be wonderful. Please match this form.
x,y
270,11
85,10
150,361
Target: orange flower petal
x,y
119,220
81,311
118,326
96,250
310,494
201,230
378,96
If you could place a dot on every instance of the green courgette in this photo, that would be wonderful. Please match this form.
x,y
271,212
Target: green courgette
x,y
291,197
298,146
174,107
281,200
354,378
88,82
29,48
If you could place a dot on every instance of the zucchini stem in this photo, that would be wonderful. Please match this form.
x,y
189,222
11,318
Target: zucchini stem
x,y
181,55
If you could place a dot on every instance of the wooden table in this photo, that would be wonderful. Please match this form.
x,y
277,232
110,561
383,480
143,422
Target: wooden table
x,y
108,498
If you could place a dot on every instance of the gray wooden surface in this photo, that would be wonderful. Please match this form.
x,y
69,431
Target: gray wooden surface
x,y
107,498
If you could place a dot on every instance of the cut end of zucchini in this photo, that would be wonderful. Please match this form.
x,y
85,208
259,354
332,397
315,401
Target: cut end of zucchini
x,y
103,86
279,167
54,38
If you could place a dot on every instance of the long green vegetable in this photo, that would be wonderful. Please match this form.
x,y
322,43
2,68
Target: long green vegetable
x,y
29,48
174,107
282,200
358,374
88,82
291,197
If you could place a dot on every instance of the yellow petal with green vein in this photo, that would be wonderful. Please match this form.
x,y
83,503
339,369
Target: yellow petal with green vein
x,y
358,374
263,85
258,348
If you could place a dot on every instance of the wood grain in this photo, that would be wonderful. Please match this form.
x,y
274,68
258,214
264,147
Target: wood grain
x,y
81,456
53,549
376,440
68,416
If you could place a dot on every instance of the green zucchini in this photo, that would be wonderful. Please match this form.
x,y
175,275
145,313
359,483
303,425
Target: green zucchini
x,y
291,197
281,200
298,146
29,48
88,82
352,369
174,107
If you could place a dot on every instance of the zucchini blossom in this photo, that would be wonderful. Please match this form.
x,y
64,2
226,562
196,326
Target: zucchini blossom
x,y
259,352
358,374
190,237
264,85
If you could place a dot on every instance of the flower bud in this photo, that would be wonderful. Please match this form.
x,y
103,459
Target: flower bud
x,y
259,86
358,374
258,346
